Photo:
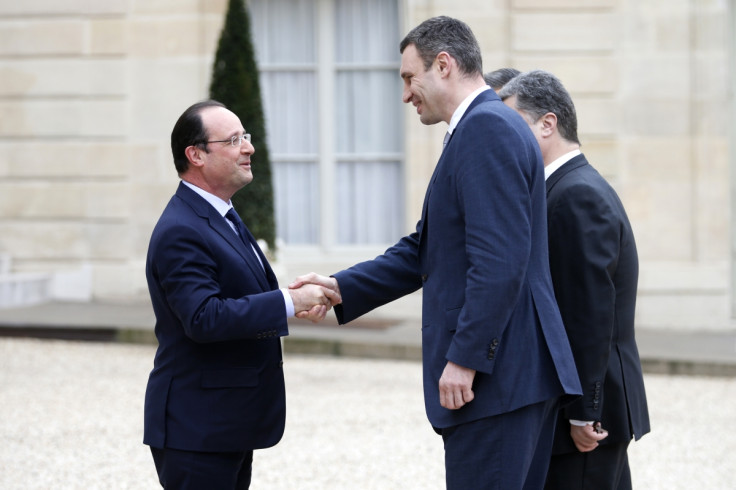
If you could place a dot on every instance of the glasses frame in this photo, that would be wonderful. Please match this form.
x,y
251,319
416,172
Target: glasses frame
x,y
239,139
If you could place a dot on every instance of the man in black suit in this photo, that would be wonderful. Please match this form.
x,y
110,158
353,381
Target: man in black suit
x,y
595,269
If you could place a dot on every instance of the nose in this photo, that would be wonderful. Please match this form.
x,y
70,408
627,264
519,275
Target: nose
x,y
247,148
406,95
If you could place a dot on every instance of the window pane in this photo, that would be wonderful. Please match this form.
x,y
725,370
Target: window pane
x,y
370,210
283,31
367,31
297,208
290,106
368,112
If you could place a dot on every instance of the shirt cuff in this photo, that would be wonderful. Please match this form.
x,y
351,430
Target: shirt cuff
x,y
288,302
580,423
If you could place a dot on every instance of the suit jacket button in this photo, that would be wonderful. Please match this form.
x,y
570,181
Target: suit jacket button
x,y
424,277
281,364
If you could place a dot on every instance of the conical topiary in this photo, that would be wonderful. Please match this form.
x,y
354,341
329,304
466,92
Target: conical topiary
x,y
235,83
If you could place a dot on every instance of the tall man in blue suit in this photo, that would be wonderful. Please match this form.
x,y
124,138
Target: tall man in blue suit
x,y
496,359
595,271
216,391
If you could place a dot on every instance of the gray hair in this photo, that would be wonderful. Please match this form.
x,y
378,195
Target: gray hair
x,y
539,92
450,35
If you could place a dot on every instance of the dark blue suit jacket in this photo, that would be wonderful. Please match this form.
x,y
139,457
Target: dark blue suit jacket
x,y
480,253
595,270
217,383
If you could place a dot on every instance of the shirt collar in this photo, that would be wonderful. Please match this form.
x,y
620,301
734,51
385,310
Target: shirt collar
x,y
550,169
460,111
221,206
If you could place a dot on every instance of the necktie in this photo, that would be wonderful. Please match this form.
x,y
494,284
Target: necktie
x,y
444,141
240,228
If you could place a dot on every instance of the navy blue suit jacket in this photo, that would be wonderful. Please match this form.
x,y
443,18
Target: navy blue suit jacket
x,y
480,253
595,271
217,383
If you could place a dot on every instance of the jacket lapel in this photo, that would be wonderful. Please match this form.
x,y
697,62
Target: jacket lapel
x,y
575,162
485,96
219,224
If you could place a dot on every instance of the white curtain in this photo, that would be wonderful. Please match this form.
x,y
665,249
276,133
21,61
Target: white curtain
x,y
366,120
284,38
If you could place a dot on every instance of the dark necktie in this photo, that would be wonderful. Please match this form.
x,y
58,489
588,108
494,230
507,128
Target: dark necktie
x,y
240,228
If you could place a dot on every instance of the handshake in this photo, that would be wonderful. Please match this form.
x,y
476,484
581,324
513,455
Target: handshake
x,y
313,296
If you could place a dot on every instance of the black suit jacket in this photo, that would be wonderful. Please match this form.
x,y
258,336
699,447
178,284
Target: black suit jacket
x,y
595,269
217,383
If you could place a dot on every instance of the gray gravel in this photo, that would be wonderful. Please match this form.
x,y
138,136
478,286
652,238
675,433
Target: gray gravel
x,y
71,418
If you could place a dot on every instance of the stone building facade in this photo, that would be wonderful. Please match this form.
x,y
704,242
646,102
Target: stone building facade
x,y
89,92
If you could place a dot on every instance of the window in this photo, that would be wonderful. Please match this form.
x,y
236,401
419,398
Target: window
x,y
332,97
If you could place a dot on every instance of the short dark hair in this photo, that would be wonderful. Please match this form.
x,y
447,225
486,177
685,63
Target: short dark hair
x,y
189,131
539,92
446,34
498,78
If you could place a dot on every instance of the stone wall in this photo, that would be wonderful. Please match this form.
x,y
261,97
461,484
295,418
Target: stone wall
x,y
89,91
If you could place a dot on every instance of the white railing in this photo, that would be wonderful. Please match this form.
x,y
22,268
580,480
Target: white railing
x,y
21,288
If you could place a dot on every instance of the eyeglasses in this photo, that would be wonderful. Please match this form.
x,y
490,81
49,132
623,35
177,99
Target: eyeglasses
x,y
235,140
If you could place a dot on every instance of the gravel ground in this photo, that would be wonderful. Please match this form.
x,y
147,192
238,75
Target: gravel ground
x,y
71,418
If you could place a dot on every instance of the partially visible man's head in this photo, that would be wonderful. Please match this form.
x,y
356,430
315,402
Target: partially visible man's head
x,y
498,78
453,36
536,93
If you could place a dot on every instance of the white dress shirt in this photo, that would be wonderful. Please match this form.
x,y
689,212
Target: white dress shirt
x,y
550,169
460,111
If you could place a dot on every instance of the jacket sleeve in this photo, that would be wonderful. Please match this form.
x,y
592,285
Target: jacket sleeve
x,y
373,283
584,237
209,289
493,192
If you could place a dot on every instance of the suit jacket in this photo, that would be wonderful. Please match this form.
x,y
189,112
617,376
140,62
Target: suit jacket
x,y
217,383
595,269
480,253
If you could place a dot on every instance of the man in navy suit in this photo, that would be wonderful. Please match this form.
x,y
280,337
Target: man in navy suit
x,y
496,359
216,391
595,269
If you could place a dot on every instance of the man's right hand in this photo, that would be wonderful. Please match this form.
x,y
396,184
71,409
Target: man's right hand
x,y
328,283
312,301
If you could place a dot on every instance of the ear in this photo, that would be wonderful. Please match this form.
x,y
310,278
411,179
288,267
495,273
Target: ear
x,y
443,62
549,124
194,155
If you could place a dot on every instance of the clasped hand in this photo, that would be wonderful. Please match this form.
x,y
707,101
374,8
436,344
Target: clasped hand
x,y
314,295
586,437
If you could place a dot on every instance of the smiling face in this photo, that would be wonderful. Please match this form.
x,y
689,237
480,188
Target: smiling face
x,y
224,168
421,86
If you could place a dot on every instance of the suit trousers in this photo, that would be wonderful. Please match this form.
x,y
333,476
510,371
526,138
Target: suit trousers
x,y
604,468
510,451
193,470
